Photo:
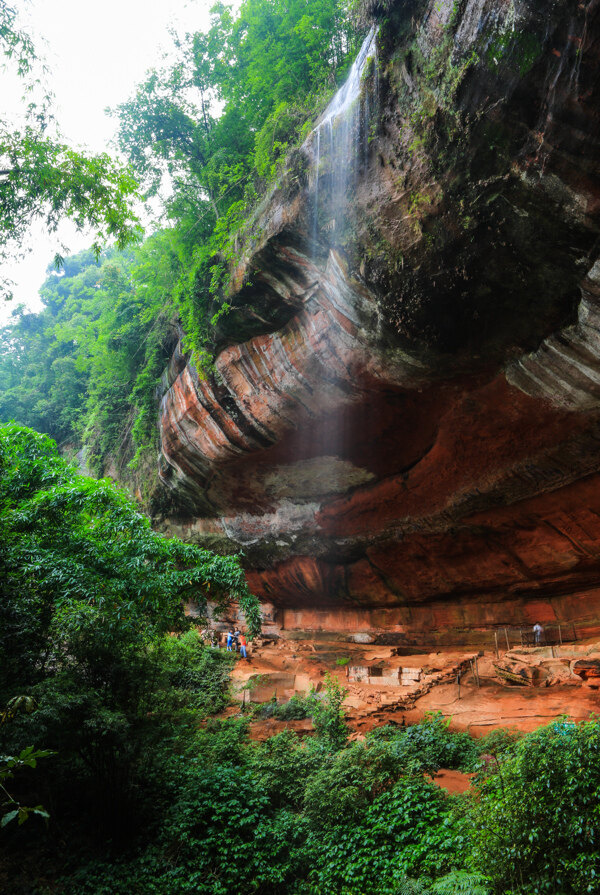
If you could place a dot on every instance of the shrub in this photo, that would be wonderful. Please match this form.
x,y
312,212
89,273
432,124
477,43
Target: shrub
x,y
328,715
198,672
430,744
406,831
295,709
536,824
350,780
284,765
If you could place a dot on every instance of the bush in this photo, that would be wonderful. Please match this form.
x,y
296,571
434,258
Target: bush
x,y
328,715
199,673
283,765
536,826
430,745
220,741
295,709
406,831
350,780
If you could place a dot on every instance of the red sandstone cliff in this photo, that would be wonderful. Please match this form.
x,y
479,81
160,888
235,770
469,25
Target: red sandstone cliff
x,y
402,432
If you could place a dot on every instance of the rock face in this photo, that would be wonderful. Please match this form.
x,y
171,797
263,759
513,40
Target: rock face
x,y
402,431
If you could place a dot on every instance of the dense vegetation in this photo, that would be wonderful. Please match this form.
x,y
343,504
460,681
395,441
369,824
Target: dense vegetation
x,y
89,599
105,693
85,370
117,773
219,123
209,134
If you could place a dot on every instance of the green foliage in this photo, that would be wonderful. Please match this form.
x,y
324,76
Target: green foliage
x,y
88,595
499,742
294,816
42,178
82,571
459,882
87,368
295,709
27,758
283,765
15,43
221,741
407,830
536,825
270,68
328,715
430,745
197,676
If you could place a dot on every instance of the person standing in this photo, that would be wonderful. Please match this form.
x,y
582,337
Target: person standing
x,y
236,639
229,639
243,647
538,632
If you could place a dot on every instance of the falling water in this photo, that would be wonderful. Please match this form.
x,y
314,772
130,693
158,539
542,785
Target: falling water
x,y
315,232
340,142
349,91
337,148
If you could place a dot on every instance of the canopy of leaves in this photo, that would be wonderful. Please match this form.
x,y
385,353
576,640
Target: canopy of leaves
x,y
41,177
536,828
86,369
219,122
79,558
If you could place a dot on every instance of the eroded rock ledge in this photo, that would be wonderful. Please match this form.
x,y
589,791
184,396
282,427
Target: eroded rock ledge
x,y
403,428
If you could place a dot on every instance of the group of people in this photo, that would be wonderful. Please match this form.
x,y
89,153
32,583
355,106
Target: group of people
x,y
235,640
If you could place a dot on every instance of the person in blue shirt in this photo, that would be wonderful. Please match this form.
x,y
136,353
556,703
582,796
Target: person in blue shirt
x,y
229,639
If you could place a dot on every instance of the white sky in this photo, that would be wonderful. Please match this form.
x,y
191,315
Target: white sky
x,y
96,53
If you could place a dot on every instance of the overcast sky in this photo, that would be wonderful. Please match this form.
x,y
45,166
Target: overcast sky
x,y
96,54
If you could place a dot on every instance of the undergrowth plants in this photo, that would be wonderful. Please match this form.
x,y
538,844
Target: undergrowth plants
x,y
323,814
157,795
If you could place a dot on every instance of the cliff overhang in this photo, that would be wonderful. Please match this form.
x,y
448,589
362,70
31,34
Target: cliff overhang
x,y
401,429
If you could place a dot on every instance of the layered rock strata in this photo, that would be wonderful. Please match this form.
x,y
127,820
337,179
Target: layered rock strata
x,y
402,427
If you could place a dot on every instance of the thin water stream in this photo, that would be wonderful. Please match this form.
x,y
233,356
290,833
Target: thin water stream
x,y
339,143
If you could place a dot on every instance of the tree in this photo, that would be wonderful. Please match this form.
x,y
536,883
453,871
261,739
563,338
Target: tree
x,y
85,370
329,718
80,563
536,825
42,178
11,809
89,597
268,70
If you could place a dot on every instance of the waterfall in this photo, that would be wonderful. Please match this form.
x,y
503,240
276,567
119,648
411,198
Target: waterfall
x,y
350,90
337,148
340,141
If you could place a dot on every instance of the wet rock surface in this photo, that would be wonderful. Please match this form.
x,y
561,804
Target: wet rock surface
x,y
402,428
